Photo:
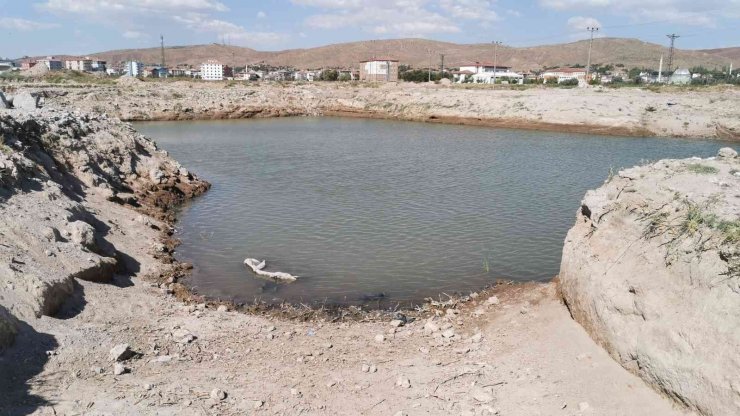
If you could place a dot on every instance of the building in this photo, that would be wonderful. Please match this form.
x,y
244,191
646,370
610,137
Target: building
x,y
379,70
6,66
212,71
51,63
483,72
563,74
27,64
99,66
79,64
133,69
681,76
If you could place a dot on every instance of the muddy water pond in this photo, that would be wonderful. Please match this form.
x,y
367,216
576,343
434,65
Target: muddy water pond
x,y
385,212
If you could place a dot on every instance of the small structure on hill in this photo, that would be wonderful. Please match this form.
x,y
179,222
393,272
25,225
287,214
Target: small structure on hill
x,y
379,70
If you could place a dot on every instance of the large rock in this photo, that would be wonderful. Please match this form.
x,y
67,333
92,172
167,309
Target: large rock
x,y
4,103
652,271
8,328
27,101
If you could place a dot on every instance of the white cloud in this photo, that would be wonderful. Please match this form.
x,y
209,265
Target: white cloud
x,y
690,12
470,9
233,32
581,23
261,15
23,25
399,17
99,7
133,34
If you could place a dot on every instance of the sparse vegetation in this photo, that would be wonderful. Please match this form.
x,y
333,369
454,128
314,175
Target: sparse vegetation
x,y
701,169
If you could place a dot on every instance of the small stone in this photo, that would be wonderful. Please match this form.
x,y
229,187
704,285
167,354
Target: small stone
x,y
119,369
148,386
120,352
448,333
257,404
380,338
295,392
403,382
50,233
328,346
270,328
373,369
482,395
218,394
97,370
222,308
476,338
397,323
431,326
493,300
365,368
399,413
583,406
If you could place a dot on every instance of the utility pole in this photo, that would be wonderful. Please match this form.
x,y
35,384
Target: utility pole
x,y
161,38
495,57
590,45
673,38
442,63
430,65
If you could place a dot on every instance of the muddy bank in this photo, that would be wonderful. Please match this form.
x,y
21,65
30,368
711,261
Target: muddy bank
x,y
709,113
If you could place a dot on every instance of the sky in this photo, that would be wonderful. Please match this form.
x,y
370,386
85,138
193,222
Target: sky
x,y
45,27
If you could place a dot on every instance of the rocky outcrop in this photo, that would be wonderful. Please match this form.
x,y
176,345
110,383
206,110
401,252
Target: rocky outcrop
x,y
57,170
652,271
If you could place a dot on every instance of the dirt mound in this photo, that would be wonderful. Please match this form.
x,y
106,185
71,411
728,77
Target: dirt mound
x,y
652,271
128,81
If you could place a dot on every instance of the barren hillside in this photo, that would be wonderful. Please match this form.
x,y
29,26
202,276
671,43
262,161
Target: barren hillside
x,y
416,52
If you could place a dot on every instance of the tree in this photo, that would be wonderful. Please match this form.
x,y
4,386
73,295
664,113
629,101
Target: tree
x,y
329,75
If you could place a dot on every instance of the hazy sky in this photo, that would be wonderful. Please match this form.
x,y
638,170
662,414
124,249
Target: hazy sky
x,y
35,27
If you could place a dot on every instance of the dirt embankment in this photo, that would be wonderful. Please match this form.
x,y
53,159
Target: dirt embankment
x,y
83,234
61,175
652,271
710,113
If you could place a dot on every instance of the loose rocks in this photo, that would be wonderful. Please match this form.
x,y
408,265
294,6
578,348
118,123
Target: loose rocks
x,y
121,352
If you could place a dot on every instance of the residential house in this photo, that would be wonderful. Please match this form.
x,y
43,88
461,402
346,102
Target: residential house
x,y
482,72
79,64
563,74
133,69
6,66
27,64
177,72
51,63
681,76
379,70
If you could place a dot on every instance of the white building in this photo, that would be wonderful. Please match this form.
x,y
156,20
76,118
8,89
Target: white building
x,y
51,63
212,71
134,69
483,72
562,74
681,76
6,66
79,64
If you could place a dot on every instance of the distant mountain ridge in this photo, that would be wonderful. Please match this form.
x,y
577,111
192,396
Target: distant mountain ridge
x,y
415,52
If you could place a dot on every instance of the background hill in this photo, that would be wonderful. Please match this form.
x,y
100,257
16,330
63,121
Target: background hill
x,y
415,52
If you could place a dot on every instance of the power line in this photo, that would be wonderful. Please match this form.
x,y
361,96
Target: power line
x,y
673,38
590,45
